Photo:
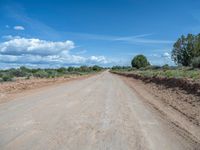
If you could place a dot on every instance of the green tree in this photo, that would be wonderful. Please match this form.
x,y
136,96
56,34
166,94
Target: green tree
x,y
140,61
184,49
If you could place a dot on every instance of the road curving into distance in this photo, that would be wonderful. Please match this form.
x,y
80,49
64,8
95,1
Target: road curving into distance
x,y
97,113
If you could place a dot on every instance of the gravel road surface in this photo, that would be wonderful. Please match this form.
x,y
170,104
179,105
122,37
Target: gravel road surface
x,y
98,113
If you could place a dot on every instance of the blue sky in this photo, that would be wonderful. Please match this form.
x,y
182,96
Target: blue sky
x,y
53,33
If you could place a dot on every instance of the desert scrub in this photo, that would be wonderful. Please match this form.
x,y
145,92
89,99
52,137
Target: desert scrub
x,y
27,73
179,72
7,78
193,74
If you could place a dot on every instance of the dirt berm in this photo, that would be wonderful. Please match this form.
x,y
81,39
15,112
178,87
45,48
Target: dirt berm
x,y
176,99
184,84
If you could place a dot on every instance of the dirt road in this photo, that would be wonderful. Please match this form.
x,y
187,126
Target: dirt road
x,y
97,113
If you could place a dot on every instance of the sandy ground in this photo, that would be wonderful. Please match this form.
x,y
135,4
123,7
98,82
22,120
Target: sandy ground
x,y
9,89
98,113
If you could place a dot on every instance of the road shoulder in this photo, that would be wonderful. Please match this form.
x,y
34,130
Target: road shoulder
x,y
10,90
175,120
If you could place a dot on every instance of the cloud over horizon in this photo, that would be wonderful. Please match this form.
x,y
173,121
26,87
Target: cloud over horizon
x,y
22,51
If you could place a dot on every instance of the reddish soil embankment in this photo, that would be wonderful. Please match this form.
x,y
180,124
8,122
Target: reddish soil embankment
x,y
183,84
181,96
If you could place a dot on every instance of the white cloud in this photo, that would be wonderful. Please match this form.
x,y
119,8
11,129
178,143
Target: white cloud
x,y
18,28
21,46
99,59
32,51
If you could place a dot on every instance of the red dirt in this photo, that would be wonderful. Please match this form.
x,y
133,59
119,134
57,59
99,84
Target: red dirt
x,y
180,105
7,89
184,84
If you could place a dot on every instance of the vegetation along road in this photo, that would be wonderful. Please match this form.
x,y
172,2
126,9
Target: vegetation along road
x,y
100,112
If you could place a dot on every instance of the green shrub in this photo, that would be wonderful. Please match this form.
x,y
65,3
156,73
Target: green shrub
x,y
41,74
53,73
154,67
7,77
19,72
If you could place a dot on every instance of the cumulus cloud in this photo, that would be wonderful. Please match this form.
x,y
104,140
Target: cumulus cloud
x,y
18,28
21,46
21,51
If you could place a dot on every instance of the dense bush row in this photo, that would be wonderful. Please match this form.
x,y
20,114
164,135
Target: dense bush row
x,y
149,67
161,71
10,74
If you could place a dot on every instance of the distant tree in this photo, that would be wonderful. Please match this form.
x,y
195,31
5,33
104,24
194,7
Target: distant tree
x,y
96,68
165,67
62,70
70,69
116,67
24,69
140,61
84,68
